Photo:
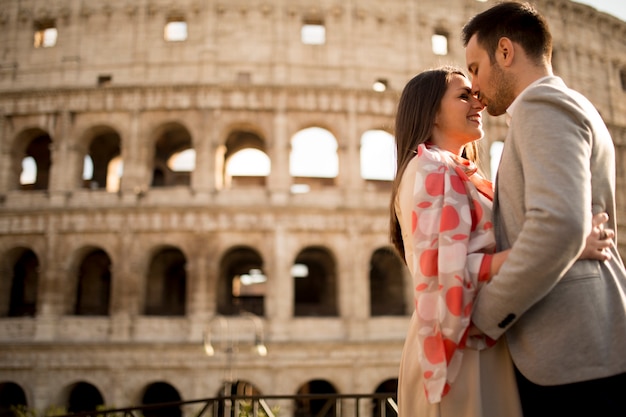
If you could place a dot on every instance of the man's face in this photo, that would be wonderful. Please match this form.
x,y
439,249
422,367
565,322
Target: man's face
x,y
490,81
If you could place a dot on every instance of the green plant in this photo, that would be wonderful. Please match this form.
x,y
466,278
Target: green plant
x,y
22,411
246,410
25,411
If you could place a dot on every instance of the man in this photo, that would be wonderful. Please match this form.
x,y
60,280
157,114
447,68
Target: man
x,y
564,320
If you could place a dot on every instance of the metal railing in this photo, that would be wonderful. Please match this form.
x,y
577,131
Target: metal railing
x,y
302,405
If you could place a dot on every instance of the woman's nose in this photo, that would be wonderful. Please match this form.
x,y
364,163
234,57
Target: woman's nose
x,y
477,103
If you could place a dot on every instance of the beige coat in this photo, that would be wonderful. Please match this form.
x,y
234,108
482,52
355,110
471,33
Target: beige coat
x,y
485,386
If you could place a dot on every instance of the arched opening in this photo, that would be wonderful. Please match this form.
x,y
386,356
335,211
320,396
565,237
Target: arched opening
x,y
159,393
313,162
239,408
245,160
11,396
242,283
84,397
19,283
174,157
382,407
166,283
378,159
103,164
94,284
318,407
386,284
315,284
36,161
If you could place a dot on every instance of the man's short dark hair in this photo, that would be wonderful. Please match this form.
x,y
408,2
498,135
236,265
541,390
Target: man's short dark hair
x,y
520,22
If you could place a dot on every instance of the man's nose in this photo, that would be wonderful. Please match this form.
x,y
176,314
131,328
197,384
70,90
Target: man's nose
x,y
475,88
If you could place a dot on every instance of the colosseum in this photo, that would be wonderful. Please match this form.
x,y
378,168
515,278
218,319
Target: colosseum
x,y
194,193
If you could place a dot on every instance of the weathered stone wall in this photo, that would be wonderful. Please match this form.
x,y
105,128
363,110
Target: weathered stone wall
x,y
243,66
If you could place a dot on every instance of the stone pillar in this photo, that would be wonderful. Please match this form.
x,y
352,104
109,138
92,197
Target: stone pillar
x,y
51,285
62,169
279,179
120,305
204,139
133,182
350,158
8,162
197,303
280,298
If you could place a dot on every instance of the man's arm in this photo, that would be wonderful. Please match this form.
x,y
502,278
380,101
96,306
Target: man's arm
x,y
547,210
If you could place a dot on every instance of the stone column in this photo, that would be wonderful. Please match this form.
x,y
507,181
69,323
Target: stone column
x,y
51,284
133,182
63,168
122,294
279,148
204,140
8,162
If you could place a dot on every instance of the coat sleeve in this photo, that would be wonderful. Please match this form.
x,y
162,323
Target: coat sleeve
x,y
446,277
543,205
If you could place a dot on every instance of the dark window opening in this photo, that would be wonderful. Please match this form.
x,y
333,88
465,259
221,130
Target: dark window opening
x,y
84,397
386,284
104,80
158,393
314,283
94,285
11,396
166,284
39,150
174,158
242,284
381,409
24,283
318,407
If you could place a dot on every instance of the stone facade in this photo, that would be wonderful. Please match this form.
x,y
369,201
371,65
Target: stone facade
x,y
118,283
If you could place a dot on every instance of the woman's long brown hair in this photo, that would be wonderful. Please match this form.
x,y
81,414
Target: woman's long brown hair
x,y
415,119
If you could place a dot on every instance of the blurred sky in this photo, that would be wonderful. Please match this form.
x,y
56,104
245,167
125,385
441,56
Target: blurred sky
x,y
615,7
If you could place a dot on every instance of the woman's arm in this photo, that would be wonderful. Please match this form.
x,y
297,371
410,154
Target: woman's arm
x,y
598,240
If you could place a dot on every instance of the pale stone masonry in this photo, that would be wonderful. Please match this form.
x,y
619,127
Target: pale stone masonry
x,y
112,288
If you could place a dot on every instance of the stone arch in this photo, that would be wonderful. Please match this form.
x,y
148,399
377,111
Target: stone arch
x,y
19,282
315,283
380,407
321,407
242,282
170,141
238,388
11,395
240,142
377,156
33,145
103,148
161,392
314,158
93,283
386,278
83,396
166,283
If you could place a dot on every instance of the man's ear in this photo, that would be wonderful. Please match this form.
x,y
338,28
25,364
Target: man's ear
x,y
505,52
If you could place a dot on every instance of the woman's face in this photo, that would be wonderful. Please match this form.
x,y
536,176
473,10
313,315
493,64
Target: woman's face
x,y
459,120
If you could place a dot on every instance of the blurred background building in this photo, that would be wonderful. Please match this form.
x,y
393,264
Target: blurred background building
x,y
183,181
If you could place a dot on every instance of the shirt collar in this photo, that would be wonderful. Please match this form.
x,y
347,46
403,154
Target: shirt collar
x,y
511,109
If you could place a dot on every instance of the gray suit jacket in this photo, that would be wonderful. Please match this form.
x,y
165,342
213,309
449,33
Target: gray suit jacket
x,y
565,319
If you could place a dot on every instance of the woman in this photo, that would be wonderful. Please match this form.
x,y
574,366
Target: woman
x,y
441,225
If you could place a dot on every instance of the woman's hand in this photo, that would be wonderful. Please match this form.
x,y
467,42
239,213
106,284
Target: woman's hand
x,y
599,240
